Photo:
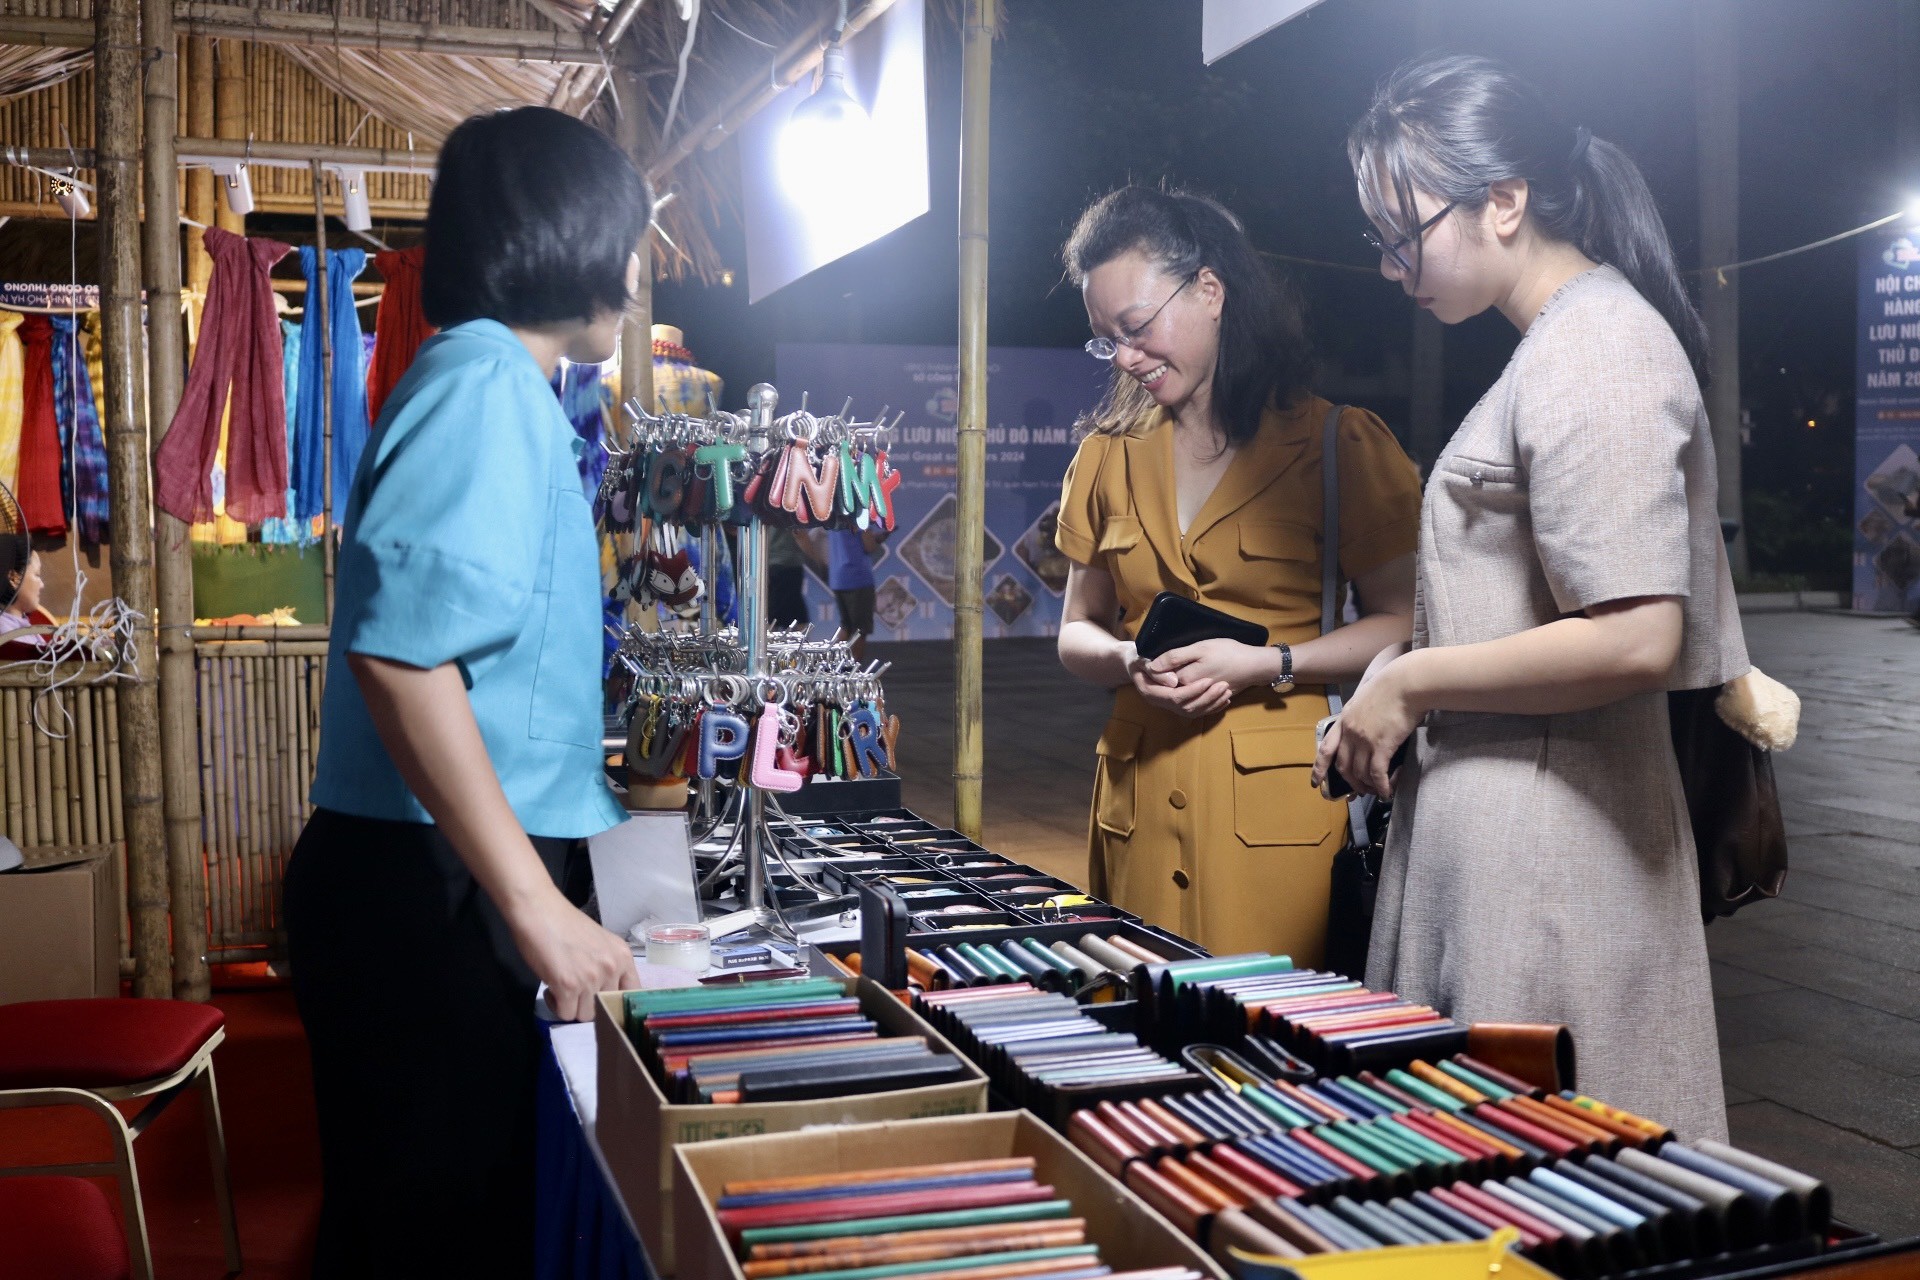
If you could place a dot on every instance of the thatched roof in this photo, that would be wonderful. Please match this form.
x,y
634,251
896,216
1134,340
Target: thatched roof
x,y
396,97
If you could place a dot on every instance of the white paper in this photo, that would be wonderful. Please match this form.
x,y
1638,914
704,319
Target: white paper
x,y
643,873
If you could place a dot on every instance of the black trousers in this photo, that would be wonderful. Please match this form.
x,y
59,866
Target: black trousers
x,y
419,1014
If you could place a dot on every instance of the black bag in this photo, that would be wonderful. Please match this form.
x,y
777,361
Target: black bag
x,y
1732,803
1356,865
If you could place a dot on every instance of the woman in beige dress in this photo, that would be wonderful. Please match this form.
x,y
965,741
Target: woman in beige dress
x,y
1541,866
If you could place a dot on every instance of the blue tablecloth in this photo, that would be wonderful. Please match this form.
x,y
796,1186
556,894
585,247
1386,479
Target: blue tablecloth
x,y
580,1231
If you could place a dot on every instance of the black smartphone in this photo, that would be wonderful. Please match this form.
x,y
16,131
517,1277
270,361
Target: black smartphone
x,y
1337,786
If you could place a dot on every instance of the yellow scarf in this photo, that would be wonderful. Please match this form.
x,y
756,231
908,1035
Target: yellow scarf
x,y
13,392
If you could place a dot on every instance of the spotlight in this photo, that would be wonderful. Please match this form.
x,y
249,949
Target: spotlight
x,y
357,216
828,136
69,196
236,186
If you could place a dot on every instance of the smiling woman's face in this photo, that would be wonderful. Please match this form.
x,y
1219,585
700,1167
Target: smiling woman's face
x,y
1166,330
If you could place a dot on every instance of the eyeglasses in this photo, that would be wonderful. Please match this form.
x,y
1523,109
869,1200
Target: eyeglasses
x,y
1108,348
1392,251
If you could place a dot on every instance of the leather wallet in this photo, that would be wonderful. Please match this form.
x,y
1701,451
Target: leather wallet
x,y
1174,622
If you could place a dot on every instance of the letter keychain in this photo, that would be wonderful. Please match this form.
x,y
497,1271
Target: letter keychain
x,y
719,460
869,742
723,736
766,773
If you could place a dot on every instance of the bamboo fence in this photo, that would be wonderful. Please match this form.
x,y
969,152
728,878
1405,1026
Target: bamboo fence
x,y
258,735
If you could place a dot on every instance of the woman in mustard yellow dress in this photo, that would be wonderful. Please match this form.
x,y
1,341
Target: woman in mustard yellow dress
x,y
1201,475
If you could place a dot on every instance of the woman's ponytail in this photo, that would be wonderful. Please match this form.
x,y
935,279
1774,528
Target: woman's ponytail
x,y
1621,226
1453,126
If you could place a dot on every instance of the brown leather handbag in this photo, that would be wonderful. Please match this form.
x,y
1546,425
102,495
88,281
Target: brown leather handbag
x,y
1738,832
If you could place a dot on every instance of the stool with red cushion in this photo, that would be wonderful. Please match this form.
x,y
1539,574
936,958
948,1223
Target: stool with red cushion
x,y
93,1053
60,1228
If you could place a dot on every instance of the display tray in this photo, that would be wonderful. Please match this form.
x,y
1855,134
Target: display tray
x,y
637,1128
1845,1254
1129,1234
824,796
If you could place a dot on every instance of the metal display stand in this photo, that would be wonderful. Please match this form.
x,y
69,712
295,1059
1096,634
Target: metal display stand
x,y
744,658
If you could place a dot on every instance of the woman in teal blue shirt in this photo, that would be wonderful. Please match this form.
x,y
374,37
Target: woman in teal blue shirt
x,y
460,770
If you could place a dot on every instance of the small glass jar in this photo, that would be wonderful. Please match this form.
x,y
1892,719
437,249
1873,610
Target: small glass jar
x,y
680,946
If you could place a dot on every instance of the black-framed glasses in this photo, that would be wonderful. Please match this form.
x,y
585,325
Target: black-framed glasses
x,y
1393,250
1108,348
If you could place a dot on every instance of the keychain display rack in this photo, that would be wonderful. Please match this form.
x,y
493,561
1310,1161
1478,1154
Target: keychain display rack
x,y
746,698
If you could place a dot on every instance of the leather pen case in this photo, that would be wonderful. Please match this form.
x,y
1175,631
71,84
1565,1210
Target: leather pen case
x,y
1816,1201
1539,1053
853,1206
863,1252
1739,1217
909,1181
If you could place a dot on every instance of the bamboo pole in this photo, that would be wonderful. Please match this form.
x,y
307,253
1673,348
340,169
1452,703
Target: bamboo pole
x,y
232,112
201,197
976,81
116,63
327,30
229,118
216,865
634,135
15,771
318,297
173,564
90,832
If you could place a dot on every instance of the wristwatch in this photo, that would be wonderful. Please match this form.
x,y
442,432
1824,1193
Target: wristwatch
x,y
1285,683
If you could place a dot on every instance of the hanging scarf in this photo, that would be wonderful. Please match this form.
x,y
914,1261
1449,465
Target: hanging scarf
x,y
583,401
239,351
292,529
83,473
13,390
349,384
39,488
399,327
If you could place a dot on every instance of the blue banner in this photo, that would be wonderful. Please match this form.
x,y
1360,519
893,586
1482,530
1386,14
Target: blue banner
x,y
1886,460
1034,394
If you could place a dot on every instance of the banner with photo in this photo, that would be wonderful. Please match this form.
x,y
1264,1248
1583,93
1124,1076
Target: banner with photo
x,y
1034,394
1886,458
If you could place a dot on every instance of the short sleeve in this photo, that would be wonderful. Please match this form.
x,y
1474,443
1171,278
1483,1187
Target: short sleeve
x,y
445,552
1078,529
1379,495
1603,414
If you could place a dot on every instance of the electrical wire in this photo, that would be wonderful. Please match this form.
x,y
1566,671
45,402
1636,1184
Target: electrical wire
x,y
108,631
680,77
1720,272
721,18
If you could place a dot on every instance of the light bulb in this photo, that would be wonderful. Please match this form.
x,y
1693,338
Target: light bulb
x,y
357,214
68,195
828,138
236,186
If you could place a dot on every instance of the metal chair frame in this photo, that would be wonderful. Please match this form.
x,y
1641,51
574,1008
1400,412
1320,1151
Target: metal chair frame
x,y
197,1073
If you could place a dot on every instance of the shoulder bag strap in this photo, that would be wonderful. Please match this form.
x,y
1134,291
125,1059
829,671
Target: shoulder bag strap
x,y
1330,534
1360,807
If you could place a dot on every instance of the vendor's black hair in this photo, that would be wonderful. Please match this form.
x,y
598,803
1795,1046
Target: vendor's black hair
x,y
16,553
533,219
1264,357
1451,126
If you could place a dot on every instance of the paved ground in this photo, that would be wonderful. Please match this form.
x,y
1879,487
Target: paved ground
x,y
1818,992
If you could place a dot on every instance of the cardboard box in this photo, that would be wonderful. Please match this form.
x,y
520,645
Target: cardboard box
x,y
638,1128
1130,1235
60,931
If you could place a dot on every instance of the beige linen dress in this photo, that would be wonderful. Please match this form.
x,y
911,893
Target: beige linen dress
x,y
1542,868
